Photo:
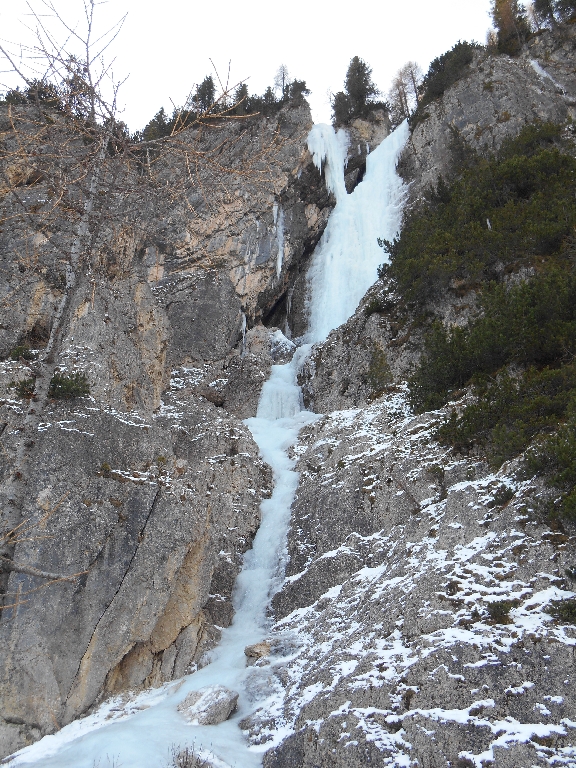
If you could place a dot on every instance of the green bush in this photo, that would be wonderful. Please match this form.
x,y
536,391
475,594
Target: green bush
x,y
512,209
25,388
377,305
22,351
555,457
509,412
65,386
499,610
533,323
563,610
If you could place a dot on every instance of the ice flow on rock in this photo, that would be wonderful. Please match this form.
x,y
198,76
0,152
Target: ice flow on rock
x,y
142,733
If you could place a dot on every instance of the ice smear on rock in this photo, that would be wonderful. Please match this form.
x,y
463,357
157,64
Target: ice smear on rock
x,y
142,733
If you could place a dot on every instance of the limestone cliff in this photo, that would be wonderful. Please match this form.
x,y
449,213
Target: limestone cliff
x,y
149,488
387,647
401,552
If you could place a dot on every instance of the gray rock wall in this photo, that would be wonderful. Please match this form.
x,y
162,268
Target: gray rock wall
x,y
149,489
492,102
385,650
155,513
414,625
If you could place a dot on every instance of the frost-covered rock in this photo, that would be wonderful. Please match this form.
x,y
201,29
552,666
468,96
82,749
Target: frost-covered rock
x,y
209,706
397,551
281,348
258,650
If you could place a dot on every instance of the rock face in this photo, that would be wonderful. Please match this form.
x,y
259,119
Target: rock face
x,y
497,97
416,606
415,601
209,706
149,489
156,513
412,628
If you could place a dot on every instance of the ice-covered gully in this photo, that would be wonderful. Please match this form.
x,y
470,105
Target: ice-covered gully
x,y
142,732
410,591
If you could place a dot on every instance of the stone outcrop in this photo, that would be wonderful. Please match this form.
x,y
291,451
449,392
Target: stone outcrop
x,y
155,513
493,101
416,604
209,706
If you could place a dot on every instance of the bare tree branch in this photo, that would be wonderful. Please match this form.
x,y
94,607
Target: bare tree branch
x,y
9,565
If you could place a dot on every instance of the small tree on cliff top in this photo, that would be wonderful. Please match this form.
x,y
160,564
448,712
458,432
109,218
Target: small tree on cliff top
x,y
511,24
359,92
282,80
404,94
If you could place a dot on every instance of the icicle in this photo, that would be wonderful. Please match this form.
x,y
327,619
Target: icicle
x,y
279,239
330,148
287,330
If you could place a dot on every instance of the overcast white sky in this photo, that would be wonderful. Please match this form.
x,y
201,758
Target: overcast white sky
x,y
165,46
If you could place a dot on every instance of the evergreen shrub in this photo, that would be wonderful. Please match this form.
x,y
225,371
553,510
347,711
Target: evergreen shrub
x,y
64,386
25,388
22,351
507,210
511,212
563,610
443,72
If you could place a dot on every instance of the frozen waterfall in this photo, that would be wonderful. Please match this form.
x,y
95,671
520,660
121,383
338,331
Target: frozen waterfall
x,y
142,732
346,259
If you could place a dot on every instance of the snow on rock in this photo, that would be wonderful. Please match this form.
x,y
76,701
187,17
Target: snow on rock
x,y
397,549
257,650
209,706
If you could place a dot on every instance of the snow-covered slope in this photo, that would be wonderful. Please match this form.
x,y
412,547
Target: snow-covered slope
x,y
398,550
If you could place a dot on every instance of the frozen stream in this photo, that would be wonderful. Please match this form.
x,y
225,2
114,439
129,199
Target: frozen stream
x,y
142,732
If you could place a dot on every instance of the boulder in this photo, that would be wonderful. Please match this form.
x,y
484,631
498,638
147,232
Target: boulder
x,y
209,706
258,650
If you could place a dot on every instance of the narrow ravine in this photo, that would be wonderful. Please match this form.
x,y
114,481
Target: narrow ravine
x,y
142,732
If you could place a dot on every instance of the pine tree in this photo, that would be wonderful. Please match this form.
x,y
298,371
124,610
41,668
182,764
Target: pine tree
x,y
297,90
282,80
358,93
241,99
158,127
511,25
206,94
340,108
359,86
